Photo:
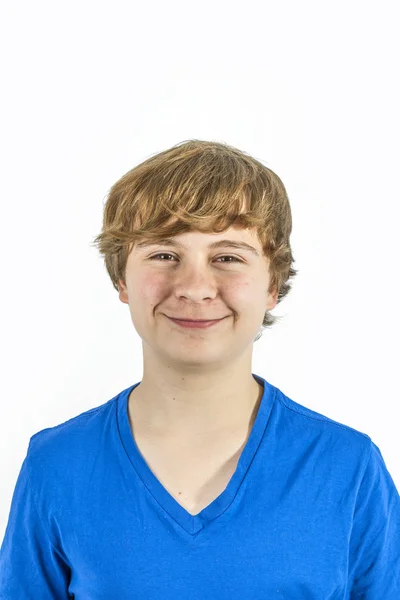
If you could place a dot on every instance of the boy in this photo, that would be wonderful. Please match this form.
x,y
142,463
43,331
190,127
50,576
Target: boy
x,y
203,480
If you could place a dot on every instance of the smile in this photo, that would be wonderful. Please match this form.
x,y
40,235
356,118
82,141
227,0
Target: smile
x,y
196,324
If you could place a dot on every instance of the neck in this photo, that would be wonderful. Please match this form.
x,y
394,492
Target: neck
x,y
179,412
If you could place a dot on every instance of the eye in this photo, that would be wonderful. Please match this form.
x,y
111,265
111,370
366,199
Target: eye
x,y
234,259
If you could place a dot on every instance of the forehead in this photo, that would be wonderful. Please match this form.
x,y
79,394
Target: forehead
x,y
234,237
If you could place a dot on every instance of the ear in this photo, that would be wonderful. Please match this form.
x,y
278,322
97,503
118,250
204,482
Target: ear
x,y
123,292
272,299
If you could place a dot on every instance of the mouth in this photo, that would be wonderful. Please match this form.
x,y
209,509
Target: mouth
x,y
194,320
195,324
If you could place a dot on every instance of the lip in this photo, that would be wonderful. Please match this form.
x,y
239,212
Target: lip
x,y
196,324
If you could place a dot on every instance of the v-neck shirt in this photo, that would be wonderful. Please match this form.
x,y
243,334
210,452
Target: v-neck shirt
x,y
193,524
310,512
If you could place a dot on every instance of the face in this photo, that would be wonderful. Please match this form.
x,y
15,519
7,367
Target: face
x,y
193,280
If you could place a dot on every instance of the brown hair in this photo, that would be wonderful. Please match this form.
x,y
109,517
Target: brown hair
x,y
203,184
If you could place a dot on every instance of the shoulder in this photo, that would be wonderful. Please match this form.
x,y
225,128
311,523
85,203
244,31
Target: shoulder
x,y
66,447
321,434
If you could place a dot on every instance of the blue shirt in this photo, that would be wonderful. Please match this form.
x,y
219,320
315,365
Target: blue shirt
x,y
311,512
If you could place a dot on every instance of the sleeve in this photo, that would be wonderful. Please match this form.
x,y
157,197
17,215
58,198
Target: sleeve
x,y
374,556
31,567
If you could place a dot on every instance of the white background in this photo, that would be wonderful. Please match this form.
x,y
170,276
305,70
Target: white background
x,y
90,89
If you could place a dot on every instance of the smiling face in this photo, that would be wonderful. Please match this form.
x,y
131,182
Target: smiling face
x,y
199,276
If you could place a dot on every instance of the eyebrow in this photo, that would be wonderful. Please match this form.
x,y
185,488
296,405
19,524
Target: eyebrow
x,y
219,244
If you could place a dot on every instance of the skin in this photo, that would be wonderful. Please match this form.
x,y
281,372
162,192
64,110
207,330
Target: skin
x,y
197,383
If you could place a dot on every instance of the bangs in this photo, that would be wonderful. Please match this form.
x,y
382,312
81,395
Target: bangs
x,y
204,189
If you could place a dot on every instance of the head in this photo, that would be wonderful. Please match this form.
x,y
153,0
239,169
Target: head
x,y
195,194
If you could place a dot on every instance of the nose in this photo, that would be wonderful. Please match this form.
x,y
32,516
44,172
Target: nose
x,y
195,283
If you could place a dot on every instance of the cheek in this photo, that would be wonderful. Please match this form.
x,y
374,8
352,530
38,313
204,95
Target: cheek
x,y
246,290
238,291
152,286
251,298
